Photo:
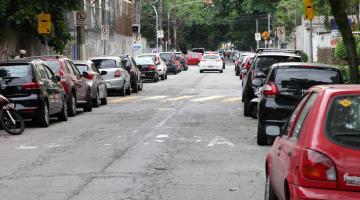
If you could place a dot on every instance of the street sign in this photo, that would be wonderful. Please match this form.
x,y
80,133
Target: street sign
x,y
44,23
265,35
105,32
137,41
257,36
280,32
309,10
80,18
160,33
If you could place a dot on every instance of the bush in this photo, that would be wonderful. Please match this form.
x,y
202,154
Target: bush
x,y
340,50
346,72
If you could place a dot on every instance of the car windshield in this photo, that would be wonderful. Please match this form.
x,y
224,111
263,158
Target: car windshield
x,y
144,61
263,63
304,78
82,67
178,55
15,71
165,56
54,65
343,122
105,63
211,57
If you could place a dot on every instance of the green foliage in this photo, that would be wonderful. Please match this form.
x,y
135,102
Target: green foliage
x,y
21,15
340,50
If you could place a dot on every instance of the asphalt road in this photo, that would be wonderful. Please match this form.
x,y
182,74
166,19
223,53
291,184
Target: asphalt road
x,y
180,139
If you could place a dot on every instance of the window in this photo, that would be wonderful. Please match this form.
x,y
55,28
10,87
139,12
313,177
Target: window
x,y
68,67
42,71
49,73
75,69
94,68
302,116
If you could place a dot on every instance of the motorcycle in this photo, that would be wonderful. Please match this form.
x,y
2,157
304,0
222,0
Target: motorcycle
x,y
10,119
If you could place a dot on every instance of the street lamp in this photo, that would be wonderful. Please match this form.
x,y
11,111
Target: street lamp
x,y
157,28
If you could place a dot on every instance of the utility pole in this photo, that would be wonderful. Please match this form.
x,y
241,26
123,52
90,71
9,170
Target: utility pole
x,y
157,28
161,23
175,36
257,31
80,37
268,45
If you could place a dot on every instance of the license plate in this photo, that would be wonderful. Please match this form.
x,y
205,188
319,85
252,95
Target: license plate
x,y
108,85
211,66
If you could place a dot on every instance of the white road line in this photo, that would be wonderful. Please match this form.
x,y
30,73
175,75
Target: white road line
x,y
219,141
177,98
122,99
23,147
232,99
162,136
155,98
207,98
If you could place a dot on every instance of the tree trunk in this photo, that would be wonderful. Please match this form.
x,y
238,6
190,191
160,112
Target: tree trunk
x,y
341,19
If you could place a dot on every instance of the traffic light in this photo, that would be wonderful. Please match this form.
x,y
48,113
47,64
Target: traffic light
x,y
208,2
135,28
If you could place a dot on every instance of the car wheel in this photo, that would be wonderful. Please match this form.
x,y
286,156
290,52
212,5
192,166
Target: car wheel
x,y
44,119
176,71
237,73
252,109
221,71
135,86
261,135
163,76
88,106
269,193
128,90
63,115
122,90
246,105
97,100
141,85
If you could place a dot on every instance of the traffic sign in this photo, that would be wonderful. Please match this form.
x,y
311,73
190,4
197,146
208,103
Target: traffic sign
x,y
160,33
80,18
265,35
257,36
137,41
44,23
309,10
280,32
105,32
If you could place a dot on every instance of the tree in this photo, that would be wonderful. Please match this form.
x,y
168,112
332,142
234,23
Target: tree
x,y
341,17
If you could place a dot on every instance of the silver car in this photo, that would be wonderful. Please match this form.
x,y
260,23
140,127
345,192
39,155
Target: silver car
x,y
117,77
95,80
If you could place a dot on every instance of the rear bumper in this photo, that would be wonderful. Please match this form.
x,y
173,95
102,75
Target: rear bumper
x,y
148,75
28,107
171,68
114,84
298,192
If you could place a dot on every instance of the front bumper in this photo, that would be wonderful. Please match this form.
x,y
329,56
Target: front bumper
x,y
298,192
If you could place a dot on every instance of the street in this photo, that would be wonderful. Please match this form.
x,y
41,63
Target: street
x,y
180,139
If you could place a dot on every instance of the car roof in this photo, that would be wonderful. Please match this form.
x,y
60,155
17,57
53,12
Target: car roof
x,y
82,61
105,57
21,61
278,54
304,64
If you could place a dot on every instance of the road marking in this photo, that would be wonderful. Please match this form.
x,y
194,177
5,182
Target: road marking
x,y
207,98
161,141
178,98
162,123
162,136
23,147
155,98
232,99
123,99
107,144
219,140
54,145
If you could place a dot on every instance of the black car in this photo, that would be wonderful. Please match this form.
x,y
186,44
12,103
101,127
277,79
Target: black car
x,y
259,69
129,64
284,87
147,68
34,90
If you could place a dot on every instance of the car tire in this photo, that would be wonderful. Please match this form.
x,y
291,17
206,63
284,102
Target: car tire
x,y
237,73
63,115
269,193
97,101
128,90
122,90
72,106
246,105
166,76
252,109
44,119
262,138
88,106
135,86
141,85
221,71
104,101
176,71
163,76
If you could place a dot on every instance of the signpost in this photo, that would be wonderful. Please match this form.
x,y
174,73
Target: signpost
x,y
257,36
137,41
105,32
265,35
44,23
309,15
80,18
160,34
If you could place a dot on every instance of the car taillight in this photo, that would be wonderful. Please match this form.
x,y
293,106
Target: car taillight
x,y
151,67
247,66
317,166
270,89
203,60
31,86
218,60
90,76
117,73
61,73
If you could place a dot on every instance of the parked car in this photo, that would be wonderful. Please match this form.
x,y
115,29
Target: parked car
x,y
318,156
78,92
160,64
240,60
129,64
258,71
194,58
283,89
94,80
34,90
148,68
198,50
245,66
117,78
211,62
173,65
182,60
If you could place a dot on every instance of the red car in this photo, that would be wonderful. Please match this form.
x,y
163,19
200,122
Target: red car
x,y
194,58
318,156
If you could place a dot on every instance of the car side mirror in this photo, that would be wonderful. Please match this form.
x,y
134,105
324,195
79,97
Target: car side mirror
x,y
103,73
56,78
85,74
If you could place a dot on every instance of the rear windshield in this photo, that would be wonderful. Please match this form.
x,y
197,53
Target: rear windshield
x,y
165,56
199,50
304,78
82,67
54,65
263,63
144,61
343,122
148,56
195,55
105,63
15,71
211,57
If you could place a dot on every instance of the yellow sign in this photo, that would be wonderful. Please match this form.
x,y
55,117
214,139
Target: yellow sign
x,y
44,23
265,35
345,103
309,10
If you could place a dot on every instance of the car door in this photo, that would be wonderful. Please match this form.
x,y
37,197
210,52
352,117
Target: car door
x,y
57,88
99,80
289,149
80,82
125,72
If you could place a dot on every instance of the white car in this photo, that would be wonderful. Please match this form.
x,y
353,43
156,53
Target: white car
x,y
160,64
211,62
